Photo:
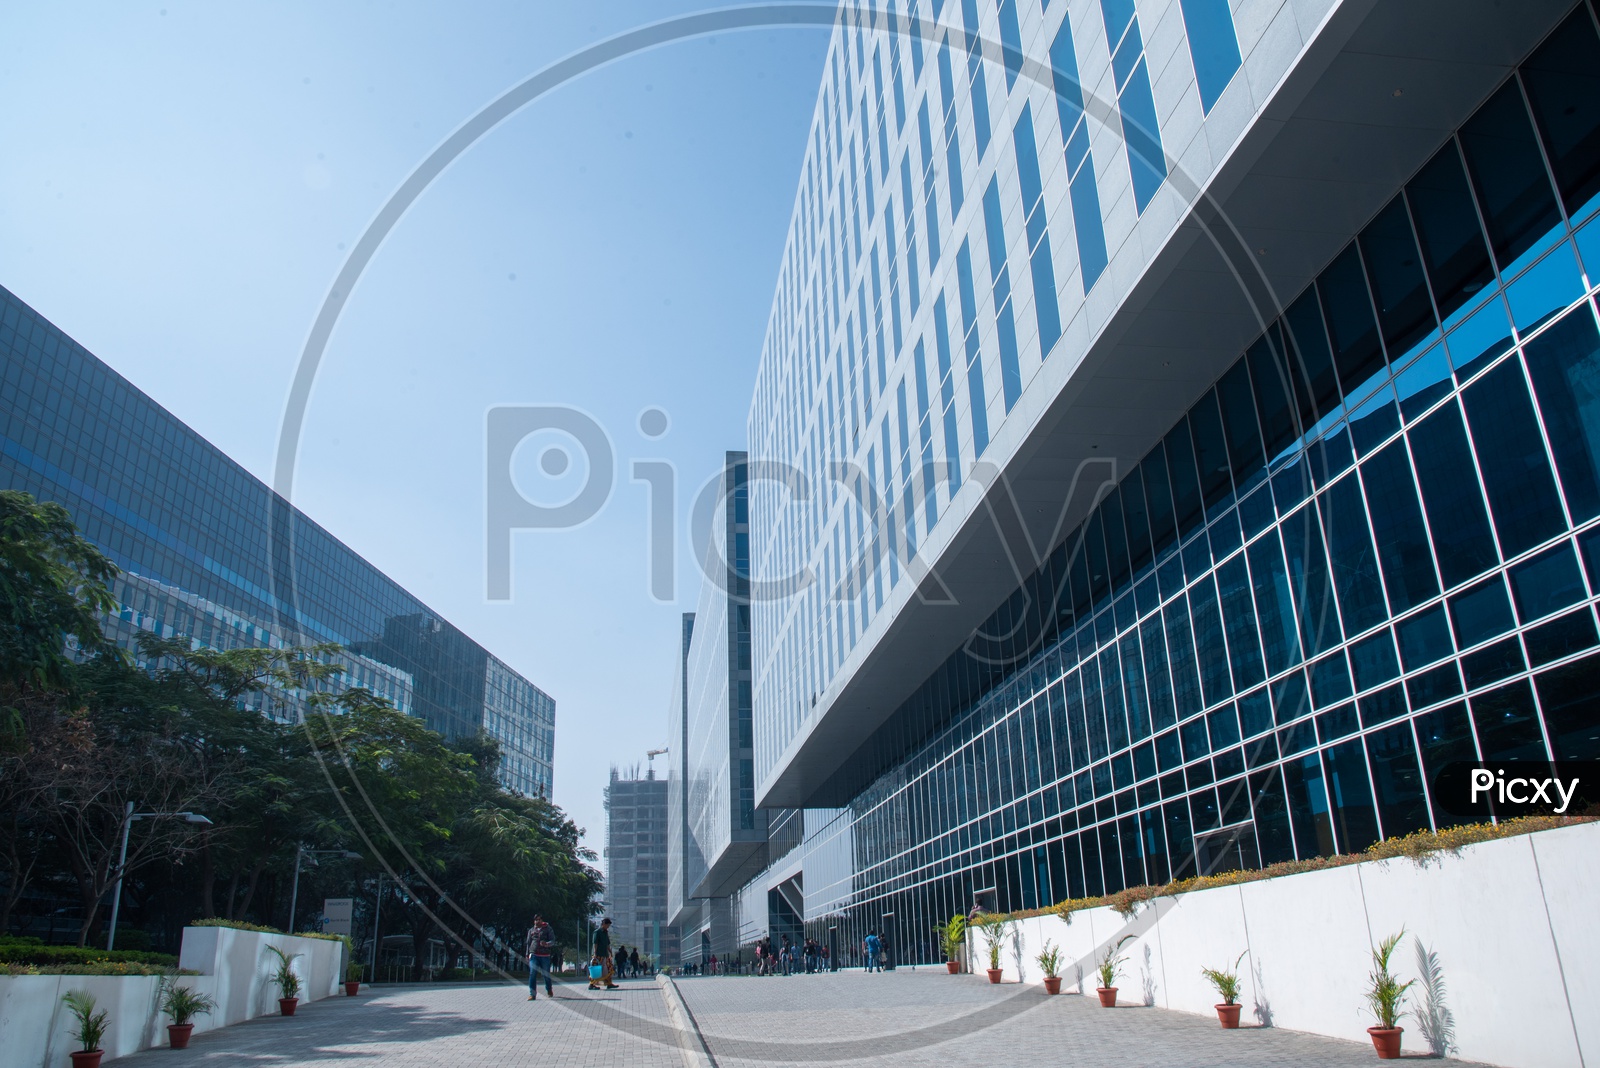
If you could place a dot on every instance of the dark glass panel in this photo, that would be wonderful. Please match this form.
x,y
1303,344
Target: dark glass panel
x,y
1274,607
1205,810
1169,753
1213,653
1336,723
1402,803
1111,693
1224,534
1375,421
1238,613
1384,705
1561,637
1373,660
1499,661
1421,385
1348,307
1211,455
1481,613
1271,816
1310,581
1445,737
1570,697
1508,174
1163,714
1431,687
1256,512
1180,838
1316,383
1447,223
1355,564
1136,521
1564,363
1133,688
1480,339
1292,485
1180,651
1116,539
1547,583
1563,83
1330,680
1424,638
1397,523
1405,314
1308,807
1330,457
1185,483
1223,726
1350,796
1451,495
1158,497
1269,376
1239,425
1508,727
1516,469
1094,552
1290,697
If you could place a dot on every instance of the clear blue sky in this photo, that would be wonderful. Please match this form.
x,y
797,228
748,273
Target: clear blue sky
x,y
179,181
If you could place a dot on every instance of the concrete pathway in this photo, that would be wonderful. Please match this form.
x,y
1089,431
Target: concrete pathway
x,y
929,1018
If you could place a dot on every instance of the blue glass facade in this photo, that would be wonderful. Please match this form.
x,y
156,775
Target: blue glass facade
x,y
1371,548
191,531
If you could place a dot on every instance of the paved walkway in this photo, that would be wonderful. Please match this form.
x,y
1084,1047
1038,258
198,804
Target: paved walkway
x,y
905,1019
445,1026
927,1018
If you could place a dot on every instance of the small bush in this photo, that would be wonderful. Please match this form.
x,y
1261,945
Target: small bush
x,y
50,957
237,925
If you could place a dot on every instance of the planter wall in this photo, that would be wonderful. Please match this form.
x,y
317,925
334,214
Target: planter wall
x,y
34,1025
1511,922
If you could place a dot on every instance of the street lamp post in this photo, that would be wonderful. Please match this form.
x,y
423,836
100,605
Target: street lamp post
x,y
128,816
302,851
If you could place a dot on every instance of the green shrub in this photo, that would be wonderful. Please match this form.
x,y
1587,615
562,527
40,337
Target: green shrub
x,y
237,925
14,952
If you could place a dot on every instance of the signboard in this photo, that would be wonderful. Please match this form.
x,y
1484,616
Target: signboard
x,y
336,914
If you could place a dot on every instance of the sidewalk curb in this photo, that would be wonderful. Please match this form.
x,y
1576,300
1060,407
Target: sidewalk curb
x,y
691,1043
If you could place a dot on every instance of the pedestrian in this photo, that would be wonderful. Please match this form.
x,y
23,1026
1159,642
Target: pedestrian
x,y
601,950
633,962
541,946
786,956
871,948
621,961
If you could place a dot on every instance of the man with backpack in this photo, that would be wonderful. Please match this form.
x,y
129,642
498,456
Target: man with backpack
x,y
541,944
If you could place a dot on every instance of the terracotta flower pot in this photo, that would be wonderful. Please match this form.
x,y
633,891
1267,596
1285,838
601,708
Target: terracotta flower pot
x,y
351,988
1229,1015
178,1035
1108,996
286,1005
953,966
1386,1040
87,1058
995,974
1052,984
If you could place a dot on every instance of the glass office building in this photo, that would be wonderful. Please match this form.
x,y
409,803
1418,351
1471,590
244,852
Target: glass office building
x,y
192,532
1285,357
636,864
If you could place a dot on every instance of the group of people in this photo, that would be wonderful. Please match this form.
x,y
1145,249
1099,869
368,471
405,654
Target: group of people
x,y
787,958
605,965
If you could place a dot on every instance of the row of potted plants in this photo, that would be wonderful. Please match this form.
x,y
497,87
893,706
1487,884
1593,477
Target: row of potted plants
x,y
181,1004
1385,994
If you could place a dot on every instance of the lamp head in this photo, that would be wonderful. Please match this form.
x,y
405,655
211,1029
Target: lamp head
x,y
195,817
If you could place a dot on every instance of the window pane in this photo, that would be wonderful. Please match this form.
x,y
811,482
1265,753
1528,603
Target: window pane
x,y
1308,804
1180,652
1513,190
1238,613
1397,524
1239,422
1397,778
1564,363
1270,379
1447,223
1211,455
1271,816
1136,520
1185,484
1481,613
1162,712
1563,83
1404,311
1316,384
1356,351
1274,607
1445,737
1214,679
1547,583
1450,494
1570,697
1424,638
1516,471
1158,497
1116,540
1309,578
1208,24
1350,796
1508,728
1355,565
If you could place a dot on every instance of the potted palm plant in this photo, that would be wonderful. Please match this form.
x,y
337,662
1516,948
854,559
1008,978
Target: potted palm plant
x,y
1226,980
88,1028
994,936
352,979
284,978
1109,966
952,936
1050,961
1386,996
181,1005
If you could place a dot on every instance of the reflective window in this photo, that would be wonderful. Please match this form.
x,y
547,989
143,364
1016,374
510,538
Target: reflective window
x,y
1564,364
1563,83
1508,174
1397,524
1463,542
1447,224
1405,313
1511,456
1357,352
1213,46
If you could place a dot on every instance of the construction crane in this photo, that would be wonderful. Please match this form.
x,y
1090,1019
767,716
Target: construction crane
x,y
651,755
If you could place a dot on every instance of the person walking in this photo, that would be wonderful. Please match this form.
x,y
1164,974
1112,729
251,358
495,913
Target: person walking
x,y
633,963
541,946
600,947
872,947
786,956
621,960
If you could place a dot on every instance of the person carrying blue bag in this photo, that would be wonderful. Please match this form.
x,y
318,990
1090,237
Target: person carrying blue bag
x,y
601,957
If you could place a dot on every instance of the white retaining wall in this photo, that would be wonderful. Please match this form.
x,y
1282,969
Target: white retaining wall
x,y
1514,925
35,1028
